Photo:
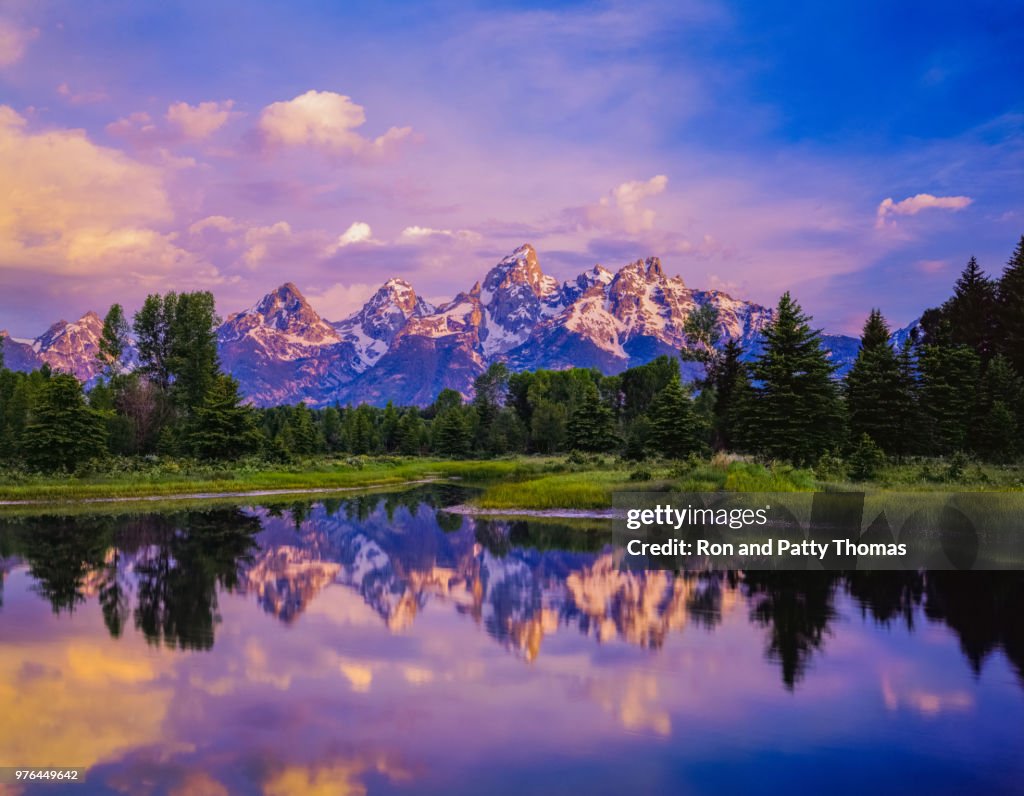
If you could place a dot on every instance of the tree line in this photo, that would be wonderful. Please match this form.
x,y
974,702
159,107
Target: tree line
x,y
955,384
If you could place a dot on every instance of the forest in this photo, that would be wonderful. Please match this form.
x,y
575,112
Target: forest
x,y
954,387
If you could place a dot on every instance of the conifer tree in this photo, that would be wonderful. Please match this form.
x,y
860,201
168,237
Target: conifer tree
x,y
410,433
949,392
63,431
732,399
300,432
547,427
591,425
1010,309
971,311
675,431
875,389
452,433
999,421
797,411
222,426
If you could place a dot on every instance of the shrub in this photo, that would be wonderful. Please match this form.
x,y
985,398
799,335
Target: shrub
x,y
867,459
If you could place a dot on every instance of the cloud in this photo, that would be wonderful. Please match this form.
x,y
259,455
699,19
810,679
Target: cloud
x,y
416,234
913,205
326,121
14,42
621,209
199,121
78,208
81,97
358,232
341,299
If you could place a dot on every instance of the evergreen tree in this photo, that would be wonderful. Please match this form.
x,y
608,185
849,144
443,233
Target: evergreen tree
x,y
300,432
332,429
113,342
222,426
452,433
591,425
675,432
971,311
547,427
731,387
798,416
949,387
411,433
999,421
389,427
875,389
490,390
1010,309
63,431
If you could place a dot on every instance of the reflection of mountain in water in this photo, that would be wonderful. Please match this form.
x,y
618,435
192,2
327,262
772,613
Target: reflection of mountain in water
x,y
520,581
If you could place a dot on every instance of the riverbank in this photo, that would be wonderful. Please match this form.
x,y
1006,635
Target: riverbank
x,y
574,483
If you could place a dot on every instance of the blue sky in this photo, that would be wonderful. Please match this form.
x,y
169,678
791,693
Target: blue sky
x,y
753,146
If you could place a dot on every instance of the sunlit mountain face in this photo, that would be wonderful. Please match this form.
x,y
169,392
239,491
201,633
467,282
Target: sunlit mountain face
x,y
280,646
402,349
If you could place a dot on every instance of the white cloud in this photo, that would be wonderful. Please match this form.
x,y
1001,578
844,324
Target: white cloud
x,y
199,121
415,234
358,232
13,42
324,120
913,205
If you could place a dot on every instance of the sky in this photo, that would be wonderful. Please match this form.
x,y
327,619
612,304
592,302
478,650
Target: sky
x,y
854,153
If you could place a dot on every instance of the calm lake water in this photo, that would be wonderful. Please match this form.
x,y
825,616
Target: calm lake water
x,y
381,645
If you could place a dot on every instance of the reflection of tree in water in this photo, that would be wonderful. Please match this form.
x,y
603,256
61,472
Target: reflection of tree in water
x,y
194,554
887,596
797,608
985,609
60,552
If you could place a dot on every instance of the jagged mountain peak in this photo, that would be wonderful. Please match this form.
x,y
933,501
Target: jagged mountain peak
x,y
521,267
285,313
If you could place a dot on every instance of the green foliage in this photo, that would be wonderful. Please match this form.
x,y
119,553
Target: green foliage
x,y
1010,309
113,342
796,411
949,385
866,460
63,431
675,430
223,427
452,432
591,425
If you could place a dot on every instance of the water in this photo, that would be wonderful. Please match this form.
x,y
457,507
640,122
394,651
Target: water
x,y
379,645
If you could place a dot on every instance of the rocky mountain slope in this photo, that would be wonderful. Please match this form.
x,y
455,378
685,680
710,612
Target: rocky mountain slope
x,y
398,347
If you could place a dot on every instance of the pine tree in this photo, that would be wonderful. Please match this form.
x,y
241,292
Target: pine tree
x,y
452,433
410,433
300,432
591,425
875,389
999,420
949,391
971,311
389,427
332,429
1010,309
194,361
63,431
732,388
798,415
675,431
222,426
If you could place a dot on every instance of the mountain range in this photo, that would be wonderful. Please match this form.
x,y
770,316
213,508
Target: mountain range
x,y
399,347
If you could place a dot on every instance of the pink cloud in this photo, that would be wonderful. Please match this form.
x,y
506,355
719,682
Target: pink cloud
x,y
913,205
326,121
199,121
81,97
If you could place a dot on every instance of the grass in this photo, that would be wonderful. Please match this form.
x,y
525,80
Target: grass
x,y
526,482
174,478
